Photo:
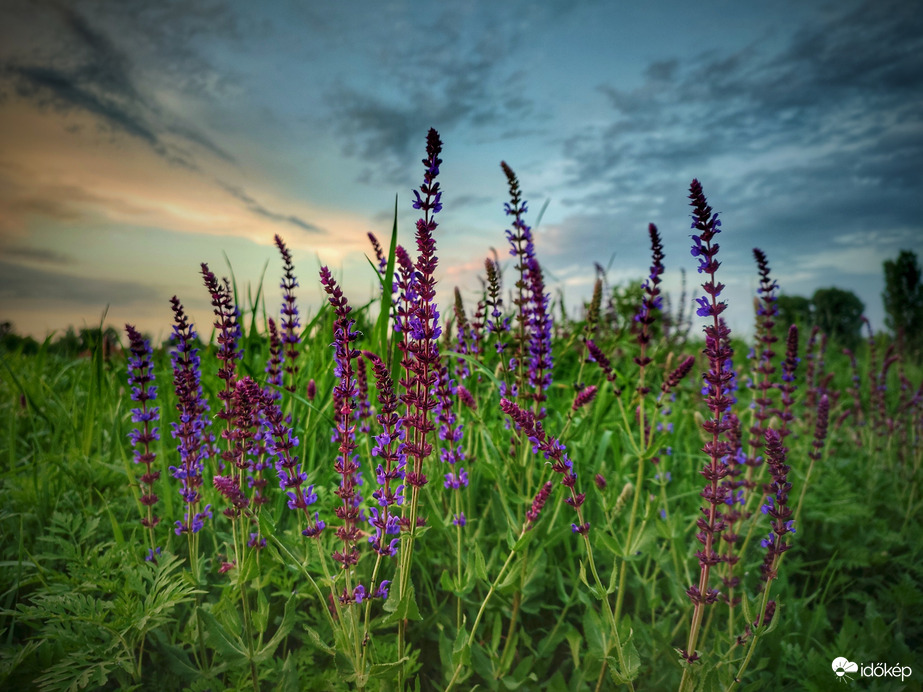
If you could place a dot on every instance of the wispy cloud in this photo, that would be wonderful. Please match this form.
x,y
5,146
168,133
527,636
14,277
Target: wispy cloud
x,y
22,283
258,209
88,72
440,72
35,254
798,141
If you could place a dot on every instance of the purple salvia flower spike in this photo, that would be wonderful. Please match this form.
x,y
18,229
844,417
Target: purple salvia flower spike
x,y
140,380
194,443
718,380
290,320
344,395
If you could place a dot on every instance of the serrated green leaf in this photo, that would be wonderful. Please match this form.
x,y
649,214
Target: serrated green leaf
x,y
604,540
403,608
285,627
461,651
573,641
593,631
386,670
523,541
318,642
223,641
480,567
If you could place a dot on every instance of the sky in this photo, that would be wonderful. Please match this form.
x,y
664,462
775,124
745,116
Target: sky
x,y
140,139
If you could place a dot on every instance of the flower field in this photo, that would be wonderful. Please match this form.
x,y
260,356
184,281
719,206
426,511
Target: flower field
x,y
392,494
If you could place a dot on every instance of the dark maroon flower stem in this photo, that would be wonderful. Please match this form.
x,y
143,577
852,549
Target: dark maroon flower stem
x,y
420,348
719,353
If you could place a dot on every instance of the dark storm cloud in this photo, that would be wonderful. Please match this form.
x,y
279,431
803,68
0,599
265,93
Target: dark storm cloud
x,y
847,81
258,209
446,75
84,70
819,136
19,283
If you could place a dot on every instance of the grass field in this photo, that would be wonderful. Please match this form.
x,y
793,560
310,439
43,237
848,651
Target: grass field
x,y
583,494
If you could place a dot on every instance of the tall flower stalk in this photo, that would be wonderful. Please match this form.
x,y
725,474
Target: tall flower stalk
x,y
531,360
344,395
420,330
228,328
140,379
191,430
556,455
290,320
776,543
718,351
648,312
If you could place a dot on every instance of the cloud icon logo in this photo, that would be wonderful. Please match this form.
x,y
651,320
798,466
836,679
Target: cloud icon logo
x,y
841,666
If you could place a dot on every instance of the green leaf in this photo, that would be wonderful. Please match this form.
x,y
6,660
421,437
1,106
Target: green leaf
x,y
745,602
386,670
285,627
523,541
318,642
606,541
573,640
480,567
403,608
223,641
261,614
461,651
447,582
595,638
384,310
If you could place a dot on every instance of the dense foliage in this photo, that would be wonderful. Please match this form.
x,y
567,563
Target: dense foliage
x,y
396,495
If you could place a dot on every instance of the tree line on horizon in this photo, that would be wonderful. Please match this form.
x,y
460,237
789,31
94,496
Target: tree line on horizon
x,y
836,312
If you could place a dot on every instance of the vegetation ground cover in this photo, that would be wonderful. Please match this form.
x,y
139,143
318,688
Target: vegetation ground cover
x,y
394,494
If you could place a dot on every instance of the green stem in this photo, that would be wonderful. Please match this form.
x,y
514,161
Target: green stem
x,y
756,634
477,619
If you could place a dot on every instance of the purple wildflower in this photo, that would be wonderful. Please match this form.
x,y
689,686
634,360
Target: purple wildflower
x,y
584,397
291,476
140,379
290,322
535,325
389,448
776,506
597,356
274,365
538,504
190,431
421,350
379,255
553,450
382,590
719,353
787,386
651,302
228,327
345,392
676,376
231,491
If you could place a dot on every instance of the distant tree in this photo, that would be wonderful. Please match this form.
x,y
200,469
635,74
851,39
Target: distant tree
x,y
838,313
68,344
793,310
903,301
625,302
11,342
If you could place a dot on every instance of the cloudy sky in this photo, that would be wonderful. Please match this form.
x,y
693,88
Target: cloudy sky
x,y
138,139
